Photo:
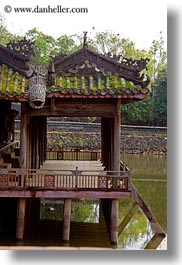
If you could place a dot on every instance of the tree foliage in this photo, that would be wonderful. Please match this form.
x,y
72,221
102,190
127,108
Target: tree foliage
x,y
5,35
46,46
160,98
152,111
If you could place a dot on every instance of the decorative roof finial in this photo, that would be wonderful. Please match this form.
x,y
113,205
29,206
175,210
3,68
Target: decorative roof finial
x,y
85,39
22,47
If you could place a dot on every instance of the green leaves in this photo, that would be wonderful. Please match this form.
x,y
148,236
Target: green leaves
x,y
5,35
46,46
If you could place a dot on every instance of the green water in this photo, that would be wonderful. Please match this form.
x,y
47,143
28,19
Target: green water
x,y
149,175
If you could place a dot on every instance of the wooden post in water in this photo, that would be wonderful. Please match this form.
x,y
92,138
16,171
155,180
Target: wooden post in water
x,y
20,224
114,221
66,220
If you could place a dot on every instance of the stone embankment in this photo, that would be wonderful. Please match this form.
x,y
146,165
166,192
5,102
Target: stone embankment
x,y
130,142
156,144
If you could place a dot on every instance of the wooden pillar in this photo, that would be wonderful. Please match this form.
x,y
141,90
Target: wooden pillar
x,y
42,142
117,135
29,144
23,137
107,135
114,221
112,141
37,140
66,220
20,224
104,141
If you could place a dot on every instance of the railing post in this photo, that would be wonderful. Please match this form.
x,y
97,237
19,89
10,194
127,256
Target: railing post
x,y
76,176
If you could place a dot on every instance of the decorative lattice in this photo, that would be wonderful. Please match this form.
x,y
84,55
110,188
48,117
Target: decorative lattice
x,y
3,181
37,92
60,155
49,181
102,182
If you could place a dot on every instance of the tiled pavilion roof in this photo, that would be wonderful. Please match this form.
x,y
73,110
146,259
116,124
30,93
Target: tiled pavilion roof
x,y
83,74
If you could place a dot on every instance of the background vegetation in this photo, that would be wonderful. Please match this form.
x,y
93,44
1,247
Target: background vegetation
x,y
152,111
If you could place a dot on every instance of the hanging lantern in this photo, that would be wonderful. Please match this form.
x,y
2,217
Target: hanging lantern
x,y
37,91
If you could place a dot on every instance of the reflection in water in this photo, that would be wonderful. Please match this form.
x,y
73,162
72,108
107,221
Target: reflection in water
x,y
81,210
148,173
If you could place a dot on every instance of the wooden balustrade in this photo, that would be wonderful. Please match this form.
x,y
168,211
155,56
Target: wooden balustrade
x,y
73,154
64,180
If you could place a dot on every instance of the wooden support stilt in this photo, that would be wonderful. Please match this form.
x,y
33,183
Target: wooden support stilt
x,y
66,220
155,241
114,221
20,225
159,235
127,218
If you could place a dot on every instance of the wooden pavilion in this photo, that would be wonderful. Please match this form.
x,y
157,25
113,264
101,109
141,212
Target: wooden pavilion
x,y
83,84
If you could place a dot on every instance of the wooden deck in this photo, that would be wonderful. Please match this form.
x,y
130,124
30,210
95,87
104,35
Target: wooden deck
x,y
67,165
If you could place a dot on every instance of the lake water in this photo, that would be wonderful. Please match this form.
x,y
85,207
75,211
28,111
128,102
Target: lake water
x,y
149,175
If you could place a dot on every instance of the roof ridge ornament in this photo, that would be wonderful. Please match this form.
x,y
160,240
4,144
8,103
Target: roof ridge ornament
x,y
85,44
138,65
22,47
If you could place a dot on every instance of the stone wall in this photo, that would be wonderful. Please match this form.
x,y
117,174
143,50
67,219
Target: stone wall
x,y
130,142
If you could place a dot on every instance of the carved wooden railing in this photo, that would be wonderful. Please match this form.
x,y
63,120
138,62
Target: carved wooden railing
x,y
73,154
64,179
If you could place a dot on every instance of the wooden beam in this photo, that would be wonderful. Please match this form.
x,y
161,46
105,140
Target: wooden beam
x,y
155,241
127,218
66,220
146,210
24,193
76,108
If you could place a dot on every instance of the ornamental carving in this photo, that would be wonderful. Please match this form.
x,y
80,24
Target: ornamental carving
x,y
23,47
37,91
137,65
86,68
